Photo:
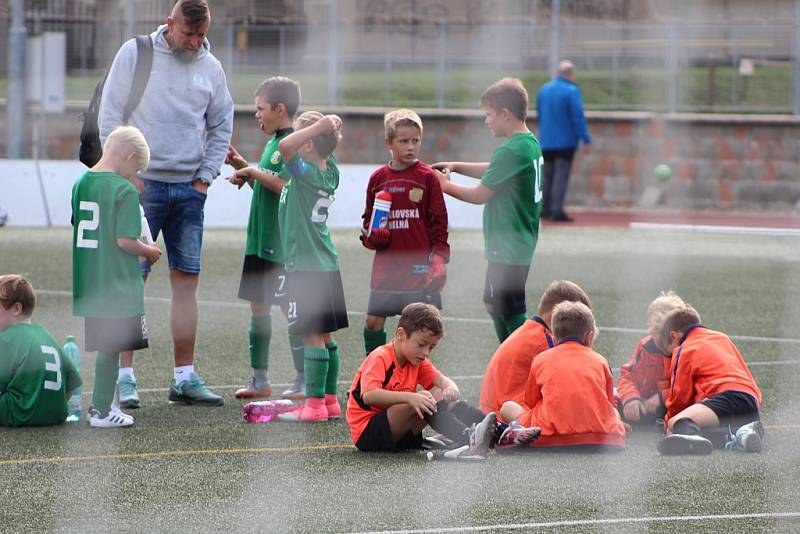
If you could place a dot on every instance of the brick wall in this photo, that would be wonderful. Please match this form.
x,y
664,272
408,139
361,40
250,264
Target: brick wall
x,y
749,161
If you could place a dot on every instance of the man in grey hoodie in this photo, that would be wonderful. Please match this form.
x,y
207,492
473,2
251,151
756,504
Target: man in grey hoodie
x,y
186,115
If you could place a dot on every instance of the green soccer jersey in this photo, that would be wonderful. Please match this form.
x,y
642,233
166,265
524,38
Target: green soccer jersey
x,y
106,281
304,204
511,216
263,237
35,376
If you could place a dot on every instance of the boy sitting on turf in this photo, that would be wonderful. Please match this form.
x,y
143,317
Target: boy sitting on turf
x,y
570,391
263,276
511,189
507,373
411,251
644,380
711,386
387,413
107,285
36,377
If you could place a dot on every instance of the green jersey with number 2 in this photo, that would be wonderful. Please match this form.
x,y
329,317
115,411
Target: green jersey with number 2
x,y
106,281
511,216
35,376
304,204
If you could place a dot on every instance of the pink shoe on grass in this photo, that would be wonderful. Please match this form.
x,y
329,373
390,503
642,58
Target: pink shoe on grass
x,y
332,406
312,411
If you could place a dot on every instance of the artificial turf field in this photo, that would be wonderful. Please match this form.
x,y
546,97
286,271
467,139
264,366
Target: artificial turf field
x,y
200,469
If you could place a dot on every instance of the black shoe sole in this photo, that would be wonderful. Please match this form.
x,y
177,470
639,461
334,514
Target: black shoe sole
x,y
129,405
190,402
677,444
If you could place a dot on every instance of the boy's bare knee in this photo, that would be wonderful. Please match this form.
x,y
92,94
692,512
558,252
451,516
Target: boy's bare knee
x,y
374,323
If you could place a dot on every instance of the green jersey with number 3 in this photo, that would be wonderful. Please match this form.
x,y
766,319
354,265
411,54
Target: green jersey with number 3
x,y
304,204
263,237
106,281
511,216
35,376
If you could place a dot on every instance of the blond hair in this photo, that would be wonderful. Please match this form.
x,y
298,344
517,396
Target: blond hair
x,y
659,309
16,288
508,93
324,144
129,138
572,319
560,291
400,117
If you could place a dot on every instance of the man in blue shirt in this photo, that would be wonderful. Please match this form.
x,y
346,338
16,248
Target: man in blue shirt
x,y
559,107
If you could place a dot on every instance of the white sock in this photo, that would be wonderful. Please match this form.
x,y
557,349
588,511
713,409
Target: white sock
x,y
126,371
182,373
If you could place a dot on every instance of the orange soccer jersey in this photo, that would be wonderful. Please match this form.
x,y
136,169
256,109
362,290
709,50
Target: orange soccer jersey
x,y
705,364
570,395
508,370
646,374
380,370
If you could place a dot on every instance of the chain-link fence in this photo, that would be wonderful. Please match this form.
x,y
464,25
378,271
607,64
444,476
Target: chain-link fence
x,y
440,64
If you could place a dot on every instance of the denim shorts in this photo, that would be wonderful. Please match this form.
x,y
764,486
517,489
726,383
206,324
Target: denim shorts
x,y
177,211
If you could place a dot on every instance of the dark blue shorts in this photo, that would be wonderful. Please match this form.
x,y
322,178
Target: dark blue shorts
x,y
177,211
377,437
733,408
388,303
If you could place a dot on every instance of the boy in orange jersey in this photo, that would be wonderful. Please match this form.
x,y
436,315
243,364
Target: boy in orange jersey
x,y
387,413
508,370
644,380
710,386
570,391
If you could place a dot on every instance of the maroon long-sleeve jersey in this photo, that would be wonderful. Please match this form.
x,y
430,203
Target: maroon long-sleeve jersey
x,y
418,224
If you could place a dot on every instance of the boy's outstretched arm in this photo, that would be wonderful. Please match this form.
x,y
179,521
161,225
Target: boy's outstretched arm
x,y
474,194
273,182
473,170
290,144
134,247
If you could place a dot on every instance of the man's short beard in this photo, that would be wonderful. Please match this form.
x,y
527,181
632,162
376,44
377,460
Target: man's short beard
x,y
185,55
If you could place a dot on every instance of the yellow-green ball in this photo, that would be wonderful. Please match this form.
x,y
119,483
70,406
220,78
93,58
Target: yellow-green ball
x,y
663,172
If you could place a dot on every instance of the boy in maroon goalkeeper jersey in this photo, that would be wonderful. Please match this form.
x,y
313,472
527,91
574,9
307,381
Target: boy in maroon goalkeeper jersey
x,y
411,248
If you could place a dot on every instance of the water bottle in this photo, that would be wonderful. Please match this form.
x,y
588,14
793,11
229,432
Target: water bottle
x,y
74,403
380,210
265,411
147,238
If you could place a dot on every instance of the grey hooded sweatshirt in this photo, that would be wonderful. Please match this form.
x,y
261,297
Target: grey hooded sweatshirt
x,y
186,112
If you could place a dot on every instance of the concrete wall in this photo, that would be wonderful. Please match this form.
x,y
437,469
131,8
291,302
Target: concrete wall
x,y
748,161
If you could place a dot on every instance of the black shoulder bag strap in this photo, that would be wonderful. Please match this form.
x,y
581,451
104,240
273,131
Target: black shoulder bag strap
x,y
144,62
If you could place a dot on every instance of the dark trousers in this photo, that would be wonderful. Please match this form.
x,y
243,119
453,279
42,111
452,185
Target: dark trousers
x,y
557,165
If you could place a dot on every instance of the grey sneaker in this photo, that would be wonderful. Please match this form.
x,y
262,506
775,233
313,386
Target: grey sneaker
x,y
676,444
747,438
254,389
480,437
194,391
297,391
128,392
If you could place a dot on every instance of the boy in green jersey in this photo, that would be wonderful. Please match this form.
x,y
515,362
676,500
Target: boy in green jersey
x,y
263,281
316,297
511,189
36,377
107,285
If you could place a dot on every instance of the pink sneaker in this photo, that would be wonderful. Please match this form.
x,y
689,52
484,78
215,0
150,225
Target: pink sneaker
x,y
265,411
312,411
332,406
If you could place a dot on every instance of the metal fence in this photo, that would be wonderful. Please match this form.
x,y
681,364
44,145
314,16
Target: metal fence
x,y
667,67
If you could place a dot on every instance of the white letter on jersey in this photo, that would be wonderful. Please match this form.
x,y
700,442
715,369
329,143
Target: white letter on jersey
x,y
323,202
537,180
90,224
54,367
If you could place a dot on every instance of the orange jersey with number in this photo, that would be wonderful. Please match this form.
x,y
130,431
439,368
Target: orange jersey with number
x,y
570,396
380,370
646,374
705,364
508,370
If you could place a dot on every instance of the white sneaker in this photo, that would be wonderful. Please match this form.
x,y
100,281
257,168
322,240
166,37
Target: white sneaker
x,y
481,436
114,419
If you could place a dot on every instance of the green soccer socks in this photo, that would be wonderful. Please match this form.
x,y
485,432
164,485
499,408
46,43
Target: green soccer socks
x,y
499,326
298,352
332,379
106,368
316,370
373,340
260,334
514,321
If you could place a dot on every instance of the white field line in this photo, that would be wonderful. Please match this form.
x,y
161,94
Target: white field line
x,y
712,229
586,522
354,313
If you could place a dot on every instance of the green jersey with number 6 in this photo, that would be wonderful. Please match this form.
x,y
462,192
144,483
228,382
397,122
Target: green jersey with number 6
x,y
511,216
106,281
263,237
304,204
35,376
